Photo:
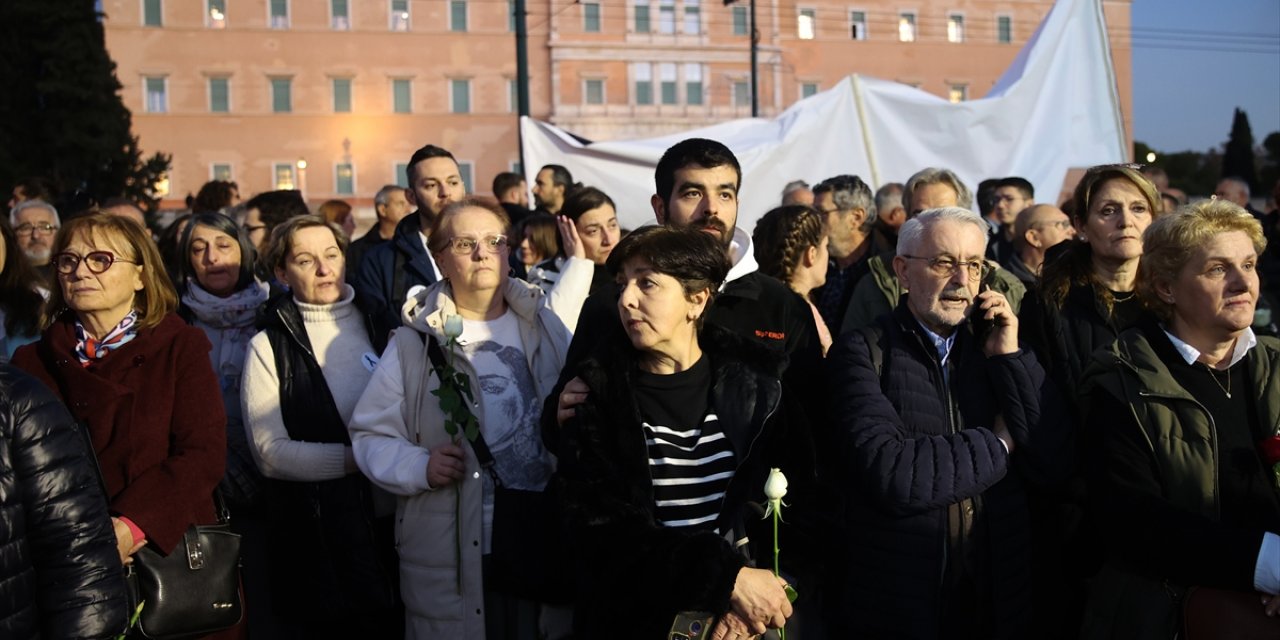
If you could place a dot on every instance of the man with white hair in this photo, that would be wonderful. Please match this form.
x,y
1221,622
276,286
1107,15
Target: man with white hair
x,y
878,291
35,222
1236,190
933,403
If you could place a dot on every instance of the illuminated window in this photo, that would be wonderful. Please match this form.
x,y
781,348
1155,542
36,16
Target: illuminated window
x,y
399,15
958,93
285,177
805,23
955,28
907,27
216,11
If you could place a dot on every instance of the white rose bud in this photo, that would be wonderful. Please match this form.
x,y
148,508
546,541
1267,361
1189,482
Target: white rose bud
x,y
774,489
453,327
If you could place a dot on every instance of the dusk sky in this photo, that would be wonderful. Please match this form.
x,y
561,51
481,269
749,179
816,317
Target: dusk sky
x,y
1195,61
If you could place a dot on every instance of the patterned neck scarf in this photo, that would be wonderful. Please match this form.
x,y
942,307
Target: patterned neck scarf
x,y
88,349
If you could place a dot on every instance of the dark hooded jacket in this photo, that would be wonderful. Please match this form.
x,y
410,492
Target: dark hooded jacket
x,y
389,270
634,575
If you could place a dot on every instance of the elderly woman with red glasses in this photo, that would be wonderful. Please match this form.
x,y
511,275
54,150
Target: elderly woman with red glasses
x,y
509,339
137,375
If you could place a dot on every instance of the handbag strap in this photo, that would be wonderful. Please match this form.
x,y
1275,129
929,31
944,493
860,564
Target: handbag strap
x,y
483,455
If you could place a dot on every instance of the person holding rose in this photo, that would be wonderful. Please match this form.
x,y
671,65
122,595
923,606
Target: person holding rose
x,y
508,339
679,429
1182,411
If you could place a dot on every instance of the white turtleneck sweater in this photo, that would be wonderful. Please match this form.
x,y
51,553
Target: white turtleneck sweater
x,y
342,349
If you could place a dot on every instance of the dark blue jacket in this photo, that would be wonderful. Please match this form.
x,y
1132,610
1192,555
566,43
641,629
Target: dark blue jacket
x,y
931,492
390,269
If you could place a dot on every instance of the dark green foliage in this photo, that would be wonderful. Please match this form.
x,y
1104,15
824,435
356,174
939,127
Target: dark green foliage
x,y
1237,160
61,116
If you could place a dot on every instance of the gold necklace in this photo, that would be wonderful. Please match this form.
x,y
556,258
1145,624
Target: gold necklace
x,y
1214,377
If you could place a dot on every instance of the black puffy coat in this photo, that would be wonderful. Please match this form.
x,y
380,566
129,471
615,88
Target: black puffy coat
x,y
919,455
60,573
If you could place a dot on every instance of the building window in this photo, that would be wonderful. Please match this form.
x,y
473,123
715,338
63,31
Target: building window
x,y
216,14
402,175
279,14
666,16
513,95
282,95
593,91
399,15
667,75
342,95
642,17
344,182
340,14
693,83
460,96
220,171
806,23
157,94
741,93
643,74
955,28
591,17
858,25
285,176
958,93
907,27
457,15
219,95
740,21
692,17
1004,29
401,95
152,13
464,172
808,89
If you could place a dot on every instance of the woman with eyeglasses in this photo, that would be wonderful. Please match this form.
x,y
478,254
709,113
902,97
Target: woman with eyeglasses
x,y
1087,297
137,376
511,341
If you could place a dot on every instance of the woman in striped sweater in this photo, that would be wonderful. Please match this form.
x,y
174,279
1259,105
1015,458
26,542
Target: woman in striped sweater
x,y
676,437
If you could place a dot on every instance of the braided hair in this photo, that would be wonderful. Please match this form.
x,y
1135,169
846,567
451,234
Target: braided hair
x,y
782,237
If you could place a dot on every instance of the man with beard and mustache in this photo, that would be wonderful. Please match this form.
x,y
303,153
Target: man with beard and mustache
x,y
387,272
932,410
697,184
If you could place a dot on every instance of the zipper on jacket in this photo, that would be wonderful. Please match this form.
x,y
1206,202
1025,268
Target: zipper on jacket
x,y
1213,434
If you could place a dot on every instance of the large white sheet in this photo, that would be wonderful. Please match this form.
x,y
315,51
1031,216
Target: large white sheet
x,y
1055,108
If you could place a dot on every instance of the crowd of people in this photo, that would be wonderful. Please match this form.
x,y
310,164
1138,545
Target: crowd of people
x,y
998,417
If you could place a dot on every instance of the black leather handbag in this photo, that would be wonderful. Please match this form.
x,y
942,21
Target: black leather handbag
x,y
193,591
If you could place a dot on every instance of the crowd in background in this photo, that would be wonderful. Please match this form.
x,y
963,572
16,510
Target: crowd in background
x,y
1000,417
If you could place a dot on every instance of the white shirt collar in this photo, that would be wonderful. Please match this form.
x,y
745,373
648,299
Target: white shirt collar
x,y
742,253
1190,354
430,260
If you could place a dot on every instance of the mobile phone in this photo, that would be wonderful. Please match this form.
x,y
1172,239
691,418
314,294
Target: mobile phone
x,y
691,625
980,325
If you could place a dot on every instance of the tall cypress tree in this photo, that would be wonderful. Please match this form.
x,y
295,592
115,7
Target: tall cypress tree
x,y
61,116
1237,161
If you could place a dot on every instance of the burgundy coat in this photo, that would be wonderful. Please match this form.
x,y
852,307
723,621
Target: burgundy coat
x,y
155,415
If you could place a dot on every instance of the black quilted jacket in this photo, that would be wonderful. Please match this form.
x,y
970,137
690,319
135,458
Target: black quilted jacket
x,y
919,453
60,574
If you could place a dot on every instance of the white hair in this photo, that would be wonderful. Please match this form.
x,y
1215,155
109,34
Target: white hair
x,y
912,231
33,204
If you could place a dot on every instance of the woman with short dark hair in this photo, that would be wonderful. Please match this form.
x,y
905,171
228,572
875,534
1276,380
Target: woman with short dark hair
x,y
677,434
1182,411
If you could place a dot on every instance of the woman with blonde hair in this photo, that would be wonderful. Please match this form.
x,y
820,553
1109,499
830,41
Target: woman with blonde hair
x,y
1184,411
137,376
